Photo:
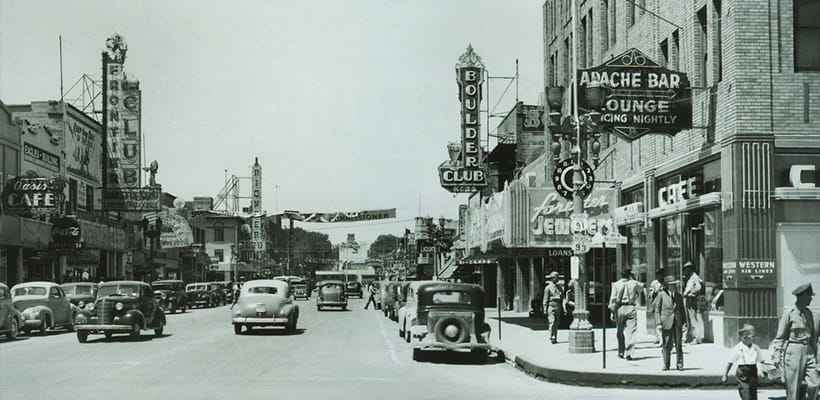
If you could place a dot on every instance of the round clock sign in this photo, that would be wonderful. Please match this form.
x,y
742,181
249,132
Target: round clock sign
x,y
563,175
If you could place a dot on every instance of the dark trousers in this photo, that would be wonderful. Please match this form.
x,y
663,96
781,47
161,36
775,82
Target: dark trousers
x,y
747,381
371,300
668,337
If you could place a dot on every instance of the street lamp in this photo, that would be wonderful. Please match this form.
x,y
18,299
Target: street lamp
x,y
581,134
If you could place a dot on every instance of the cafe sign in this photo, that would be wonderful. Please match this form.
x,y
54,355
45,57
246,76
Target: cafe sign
x,y
642,97
32,195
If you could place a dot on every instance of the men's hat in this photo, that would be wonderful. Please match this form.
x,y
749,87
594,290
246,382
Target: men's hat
x,y
552,275
626,273
688,264
804,289
671,280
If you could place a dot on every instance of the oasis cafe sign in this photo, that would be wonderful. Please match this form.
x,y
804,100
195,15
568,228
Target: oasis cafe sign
x,y
32,195
642,97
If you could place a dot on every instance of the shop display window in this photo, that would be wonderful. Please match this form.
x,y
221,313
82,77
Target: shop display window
x,y
636,251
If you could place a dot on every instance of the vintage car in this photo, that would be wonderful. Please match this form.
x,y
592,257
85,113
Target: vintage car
x,y
394,295
331,294
10,319
43,305
216,289
354,289
265,302
448,316
227,290
122,307
81,294
170,295
408,307
199,295
299,289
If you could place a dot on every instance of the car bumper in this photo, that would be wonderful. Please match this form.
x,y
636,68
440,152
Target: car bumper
x,y
332,303
32,323
103,327
261,321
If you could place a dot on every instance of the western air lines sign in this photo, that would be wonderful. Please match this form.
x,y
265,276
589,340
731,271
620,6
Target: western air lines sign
x,y
642,97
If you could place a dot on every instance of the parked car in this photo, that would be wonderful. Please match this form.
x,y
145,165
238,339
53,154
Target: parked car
x,y
331,294
122,307
265,302
81,294
299,288
216,289
170,295
43,305
199,295
449,316
10,319
394,296
227,290
354,289
408,308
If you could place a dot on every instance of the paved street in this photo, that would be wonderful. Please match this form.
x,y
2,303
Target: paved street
x,y
335,354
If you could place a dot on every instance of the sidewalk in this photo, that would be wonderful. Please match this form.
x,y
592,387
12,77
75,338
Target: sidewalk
x,y
525,343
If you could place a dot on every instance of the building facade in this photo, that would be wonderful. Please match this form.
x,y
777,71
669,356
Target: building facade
x,y
735,195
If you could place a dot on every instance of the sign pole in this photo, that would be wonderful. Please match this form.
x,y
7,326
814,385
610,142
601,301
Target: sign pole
x,y
604,308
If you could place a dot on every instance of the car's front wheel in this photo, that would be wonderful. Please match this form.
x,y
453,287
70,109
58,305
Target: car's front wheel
x,y
479,355
135,331
237,329
82,336
108,334
158,330
12,333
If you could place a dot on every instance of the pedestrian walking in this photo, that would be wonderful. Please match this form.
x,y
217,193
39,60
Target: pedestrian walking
x,y
693,290
553,298
796,340
670,316
652,293
371,299
747,356
622,301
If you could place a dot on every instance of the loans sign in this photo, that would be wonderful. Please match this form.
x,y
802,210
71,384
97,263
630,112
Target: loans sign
x,y
642,97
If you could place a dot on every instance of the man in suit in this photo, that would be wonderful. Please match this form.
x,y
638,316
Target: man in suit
x,y
670,316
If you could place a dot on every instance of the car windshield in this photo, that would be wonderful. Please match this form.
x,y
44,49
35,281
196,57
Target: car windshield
x,y
81,290
29,291
119,290
163,286
262,290
451,297
353,285
192,288
332,286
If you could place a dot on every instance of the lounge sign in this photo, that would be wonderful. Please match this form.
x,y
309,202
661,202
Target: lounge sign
x,y
467,173
642,96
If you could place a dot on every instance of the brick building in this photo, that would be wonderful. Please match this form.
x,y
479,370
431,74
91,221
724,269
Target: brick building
x,y
751,211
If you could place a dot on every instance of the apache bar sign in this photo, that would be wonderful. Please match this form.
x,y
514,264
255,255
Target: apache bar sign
x,y
466,173
642,96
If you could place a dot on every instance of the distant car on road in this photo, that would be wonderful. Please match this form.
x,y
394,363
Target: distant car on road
x,y
449,316
81,294
170,295
299,288
122,307
331,294
265,302
354,289
43,305
199,295
218,293
10,319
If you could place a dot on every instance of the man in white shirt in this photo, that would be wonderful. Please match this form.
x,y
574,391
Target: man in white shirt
x,y
694,286
623,300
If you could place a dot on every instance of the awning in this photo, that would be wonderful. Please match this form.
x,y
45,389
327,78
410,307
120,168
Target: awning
x,y
447,270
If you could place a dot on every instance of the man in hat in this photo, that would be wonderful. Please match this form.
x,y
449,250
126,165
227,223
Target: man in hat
x,y
622,302
694,288
797,332
655,287
670,317
553,298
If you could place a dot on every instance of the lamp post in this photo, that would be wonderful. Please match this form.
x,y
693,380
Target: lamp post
x,y
581,134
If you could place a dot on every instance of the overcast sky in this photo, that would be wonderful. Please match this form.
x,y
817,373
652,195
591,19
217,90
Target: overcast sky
x,y
349,104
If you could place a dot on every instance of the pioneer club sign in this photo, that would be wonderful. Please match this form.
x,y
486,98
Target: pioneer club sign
x,y
642,96
466,173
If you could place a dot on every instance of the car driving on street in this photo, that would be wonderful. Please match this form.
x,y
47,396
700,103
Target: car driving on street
x,y
331,294
265,302
170,295
81,294
122,307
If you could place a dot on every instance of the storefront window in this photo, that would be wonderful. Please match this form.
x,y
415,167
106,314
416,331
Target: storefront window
x,y
636,251
713,254
670,245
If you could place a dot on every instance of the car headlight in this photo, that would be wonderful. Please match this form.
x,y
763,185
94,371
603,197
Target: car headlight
x,y
90,306
164,296
118,306
81,304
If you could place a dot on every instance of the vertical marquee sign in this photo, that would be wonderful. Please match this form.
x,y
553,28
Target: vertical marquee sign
x,y
466,174
122,147
257,231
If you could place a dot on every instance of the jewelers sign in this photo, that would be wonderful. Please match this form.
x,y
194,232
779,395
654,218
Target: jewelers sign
x,y
642,96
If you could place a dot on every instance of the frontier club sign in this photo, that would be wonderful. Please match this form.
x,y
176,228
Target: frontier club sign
x,y
464,172
642,96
